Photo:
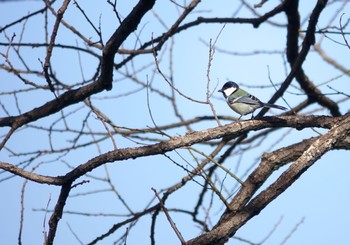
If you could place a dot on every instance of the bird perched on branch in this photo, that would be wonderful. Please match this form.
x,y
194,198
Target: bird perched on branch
x,y
241,101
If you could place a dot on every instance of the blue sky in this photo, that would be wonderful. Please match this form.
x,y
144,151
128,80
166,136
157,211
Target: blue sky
x,y
320,198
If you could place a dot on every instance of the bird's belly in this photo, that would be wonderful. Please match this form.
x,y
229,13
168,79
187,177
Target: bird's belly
x,y
243,109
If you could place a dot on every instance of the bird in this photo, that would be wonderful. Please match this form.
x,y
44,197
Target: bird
x,y
241,101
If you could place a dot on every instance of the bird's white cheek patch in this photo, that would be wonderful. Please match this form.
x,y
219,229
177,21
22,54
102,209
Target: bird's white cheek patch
x,y
229,91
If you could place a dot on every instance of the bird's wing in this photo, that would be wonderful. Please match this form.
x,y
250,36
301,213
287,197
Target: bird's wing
x,y
250,100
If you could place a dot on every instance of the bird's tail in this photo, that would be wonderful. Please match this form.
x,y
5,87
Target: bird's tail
x,y
275,106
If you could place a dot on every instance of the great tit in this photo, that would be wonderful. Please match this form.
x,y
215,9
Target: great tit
x,y
241,101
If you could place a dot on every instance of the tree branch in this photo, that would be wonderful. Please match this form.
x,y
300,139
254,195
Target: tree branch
x,y
104,82
232,220
128,25
230,130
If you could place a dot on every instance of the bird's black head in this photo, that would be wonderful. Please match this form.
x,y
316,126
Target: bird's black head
x,y
228,88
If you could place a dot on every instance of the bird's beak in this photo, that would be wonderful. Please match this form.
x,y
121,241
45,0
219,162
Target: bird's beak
x,y
220,90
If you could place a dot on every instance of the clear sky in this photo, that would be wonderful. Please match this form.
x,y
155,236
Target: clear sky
x,y
316,206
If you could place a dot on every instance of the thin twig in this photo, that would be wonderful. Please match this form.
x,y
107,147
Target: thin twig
x,y
210,59
177,232
219,165
167,80
342,31
274,86
102,119
44,222
47,62
293,230
151,114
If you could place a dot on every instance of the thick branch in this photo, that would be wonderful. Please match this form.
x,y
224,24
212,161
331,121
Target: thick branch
x,y
230,130
200,20
104,82
296,60
31,176
232,221
57,214
129,25
68,98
